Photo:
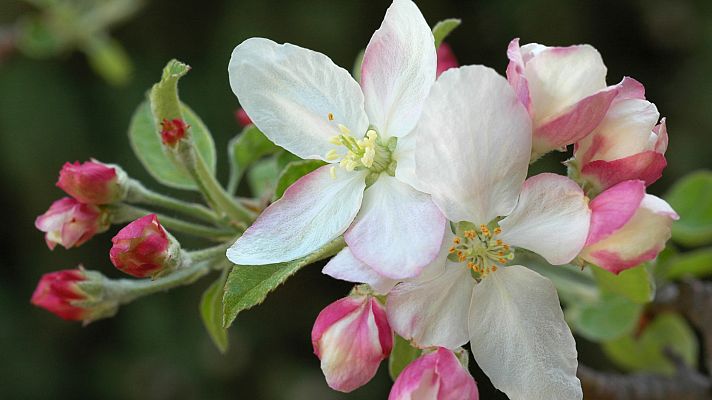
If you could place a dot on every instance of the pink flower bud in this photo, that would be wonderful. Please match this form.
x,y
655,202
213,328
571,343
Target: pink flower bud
x,y
242,118
92,182
446,59
628,227
173,131
143,248
351,337
71,223
435,376
74,294
629,144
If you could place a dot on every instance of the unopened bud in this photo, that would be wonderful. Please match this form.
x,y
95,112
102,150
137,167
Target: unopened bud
x,y
93,182
74,294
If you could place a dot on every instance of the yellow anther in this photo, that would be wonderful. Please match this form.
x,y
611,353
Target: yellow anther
x,y
499,242
471,265
500,253
493,268
470,234
506,247
456,240
497,230
335,140
502,260
332,155
452,250
331,117
344,130
368,156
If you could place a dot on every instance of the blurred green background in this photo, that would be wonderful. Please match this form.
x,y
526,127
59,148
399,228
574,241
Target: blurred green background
x,y
57,109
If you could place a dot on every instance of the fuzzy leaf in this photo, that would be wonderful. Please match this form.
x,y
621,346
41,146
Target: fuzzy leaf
x,y
696,263
442,29
611,317
292,172
211,313
248,286
401,355
245,149
262,177
691,198
646,352
636,284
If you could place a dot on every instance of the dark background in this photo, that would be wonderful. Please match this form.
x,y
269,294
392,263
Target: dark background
x,y
58,110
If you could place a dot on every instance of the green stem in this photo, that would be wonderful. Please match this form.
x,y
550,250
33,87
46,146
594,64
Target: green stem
x,y
209,253
122,213
128,290
140,194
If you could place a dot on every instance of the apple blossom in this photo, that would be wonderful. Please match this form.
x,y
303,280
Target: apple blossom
x,y
351,337
628,144
303,102
143,248
93,182
628,227
509,314
564,90
70,223
435,376
73,294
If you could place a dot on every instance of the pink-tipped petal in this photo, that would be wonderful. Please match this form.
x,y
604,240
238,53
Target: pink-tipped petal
x,y
612,209
297,97
398,69
551,218
446,59
398,230
647,166
435,376
346,267
313,211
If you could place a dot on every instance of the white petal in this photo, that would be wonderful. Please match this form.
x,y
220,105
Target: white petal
x,y
404,155
290,92
313,211
398,230
473,145
346,267
398,69
433,313
558,77
552,218
520,339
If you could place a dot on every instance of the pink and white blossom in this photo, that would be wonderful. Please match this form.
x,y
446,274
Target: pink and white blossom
x,y
435,376
564,90
70,223
628,144
628,227
509,314
305,103
351,337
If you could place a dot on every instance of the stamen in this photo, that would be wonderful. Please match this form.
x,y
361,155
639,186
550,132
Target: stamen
x,y
481,252
332,172
332,155
344,130
331,117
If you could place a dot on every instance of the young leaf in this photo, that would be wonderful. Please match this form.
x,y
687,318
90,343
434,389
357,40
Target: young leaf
x,y
246,148
611,317
248,286
211,313
401,355
262,177
292,172
356,70
164,94
636,284
442,29
146,143
691,197
697,263
646,352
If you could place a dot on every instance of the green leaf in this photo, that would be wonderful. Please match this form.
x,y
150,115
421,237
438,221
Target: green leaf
x,y
164,94
292,172
612,316
356,70
646,352
211,313
442,29
109,59
146,143
248,286
691,197
262,177
246,148
401,355
696,263
636,284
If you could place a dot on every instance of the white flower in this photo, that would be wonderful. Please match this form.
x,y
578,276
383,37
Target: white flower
x,y
305,103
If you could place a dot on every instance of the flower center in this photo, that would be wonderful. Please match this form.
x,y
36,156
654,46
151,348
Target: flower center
x,y
368,153
481,250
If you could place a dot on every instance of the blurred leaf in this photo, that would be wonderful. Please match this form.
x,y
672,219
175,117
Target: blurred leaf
x,y
356,70
36,39
696,263
244,149
442,29
211,312
612,316
645,353
636,284
262,177
662,263
292,172
109,59
248,286
401,355
691,197
146,143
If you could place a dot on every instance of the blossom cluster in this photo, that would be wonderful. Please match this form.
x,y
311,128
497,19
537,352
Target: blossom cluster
x,y
426,176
